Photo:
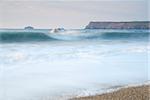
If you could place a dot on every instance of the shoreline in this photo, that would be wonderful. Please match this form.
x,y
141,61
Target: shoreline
x,y
129,92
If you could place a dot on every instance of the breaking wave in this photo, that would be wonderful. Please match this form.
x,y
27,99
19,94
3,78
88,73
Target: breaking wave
x,y
26,36
23,36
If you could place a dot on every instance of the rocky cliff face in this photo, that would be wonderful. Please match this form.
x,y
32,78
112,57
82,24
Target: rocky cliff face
x,y
119,25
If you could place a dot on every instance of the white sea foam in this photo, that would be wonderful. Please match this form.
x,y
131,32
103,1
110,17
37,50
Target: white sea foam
x,y
62,69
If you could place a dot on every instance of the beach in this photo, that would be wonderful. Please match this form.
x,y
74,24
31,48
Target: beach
x,y
141,92
76,50
37,65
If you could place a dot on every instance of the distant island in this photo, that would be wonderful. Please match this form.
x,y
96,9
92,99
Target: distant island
x,y
29,28
119,25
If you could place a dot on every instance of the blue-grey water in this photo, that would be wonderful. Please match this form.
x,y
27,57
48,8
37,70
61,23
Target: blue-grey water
x,y
39,65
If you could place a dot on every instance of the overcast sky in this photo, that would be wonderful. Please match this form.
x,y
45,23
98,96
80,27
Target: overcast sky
x,y
69,13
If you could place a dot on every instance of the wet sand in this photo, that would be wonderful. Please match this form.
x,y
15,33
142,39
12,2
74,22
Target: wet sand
x,y
129,93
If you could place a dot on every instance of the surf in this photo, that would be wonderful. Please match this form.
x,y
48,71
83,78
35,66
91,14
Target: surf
x,y
71,35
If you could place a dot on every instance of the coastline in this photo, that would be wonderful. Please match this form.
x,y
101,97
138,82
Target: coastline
x,y
118,25
130,92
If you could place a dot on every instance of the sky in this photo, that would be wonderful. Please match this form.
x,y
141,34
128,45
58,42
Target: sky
x,y
69,13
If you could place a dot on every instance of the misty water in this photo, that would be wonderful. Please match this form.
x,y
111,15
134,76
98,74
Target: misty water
x,y
72,63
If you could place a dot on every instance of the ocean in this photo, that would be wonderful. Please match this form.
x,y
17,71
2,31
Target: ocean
x,y
40,65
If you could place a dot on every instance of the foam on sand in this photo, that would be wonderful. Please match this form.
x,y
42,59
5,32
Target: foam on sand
x,y
129,92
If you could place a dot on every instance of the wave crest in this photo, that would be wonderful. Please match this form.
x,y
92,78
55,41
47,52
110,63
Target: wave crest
x,y
23,36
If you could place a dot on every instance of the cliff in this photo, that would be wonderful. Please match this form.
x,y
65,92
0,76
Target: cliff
x,y
119,25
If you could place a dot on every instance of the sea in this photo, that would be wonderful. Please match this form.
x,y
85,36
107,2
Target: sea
x,y
37,64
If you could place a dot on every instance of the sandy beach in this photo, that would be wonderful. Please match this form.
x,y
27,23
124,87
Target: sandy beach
x,y
129,93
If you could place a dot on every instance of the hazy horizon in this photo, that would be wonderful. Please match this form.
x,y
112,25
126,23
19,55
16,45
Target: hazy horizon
x,y
69,14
